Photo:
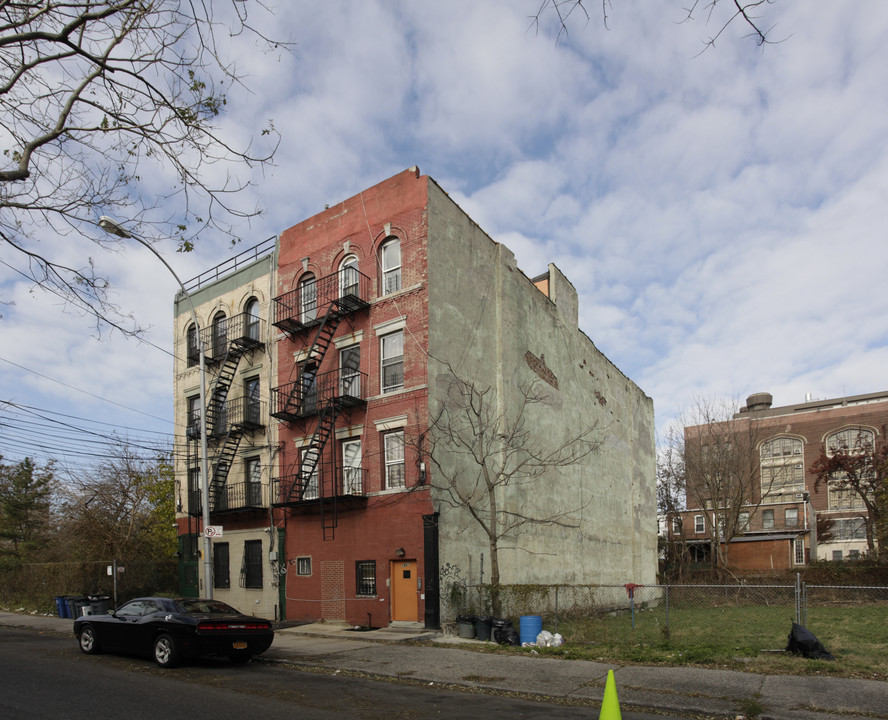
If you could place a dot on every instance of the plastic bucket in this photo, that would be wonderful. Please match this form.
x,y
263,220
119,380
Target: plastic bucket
x,y
529,627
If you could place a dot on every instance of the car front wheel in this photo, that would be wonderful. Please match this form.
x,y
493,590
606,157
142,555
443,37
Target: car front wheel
x,y
88,642
166,654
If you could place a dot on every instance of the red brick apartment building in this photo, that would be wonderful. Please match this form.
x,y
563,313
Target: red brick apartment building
x,y
353,307
373,307
778,529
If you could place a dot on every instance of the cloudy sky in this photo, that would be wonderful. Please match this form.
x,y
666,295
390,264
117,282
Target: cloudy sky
x,y
722,212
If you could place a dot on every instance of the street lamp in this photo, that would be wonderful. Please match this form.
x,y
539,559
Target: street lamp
x,y
114,228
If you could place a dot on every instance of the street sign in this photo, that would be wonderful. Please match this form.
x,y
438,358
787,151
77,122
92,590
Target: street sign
x,y
213,531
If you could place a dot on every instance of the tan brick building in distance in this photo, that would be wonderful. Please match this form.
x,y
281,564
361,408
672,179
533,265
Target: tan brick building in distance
x,y
782,532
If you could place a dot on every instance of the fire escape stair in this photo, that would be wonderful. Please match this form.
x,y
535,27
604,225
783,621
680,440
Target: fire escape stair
x,y
221,468
217,421
320,343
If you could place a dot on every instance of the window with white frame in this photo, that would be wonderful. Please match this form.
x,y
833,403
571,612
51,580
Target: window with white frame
x,y
308,298
699,524
743,521
394,459
767,519
798,546
392,361
791,517
348,277
308,475
251,316
352,475
854,441
782,471
350,371
844,529
390,259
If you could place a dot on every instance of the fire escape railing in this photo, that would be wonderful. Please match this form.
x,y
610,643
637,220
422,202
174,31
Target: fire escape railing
x,y
308,396
296,488
344,292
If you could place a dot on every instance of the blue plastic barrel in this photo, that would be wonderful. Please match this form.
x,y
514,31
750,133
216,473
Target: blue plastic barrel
x,y
62,606
529,627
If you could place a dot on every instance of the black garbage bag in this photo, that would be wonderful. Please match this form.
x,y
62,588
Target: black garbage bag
x,y
505,633
803,642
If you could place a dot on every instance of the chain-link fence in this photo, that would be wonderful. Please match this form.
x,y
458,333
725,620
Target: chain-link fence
x,y
695,621
35,585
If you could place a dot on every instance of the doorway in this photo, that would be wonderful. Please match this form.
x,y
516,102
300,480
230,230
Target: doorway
x,y
404,591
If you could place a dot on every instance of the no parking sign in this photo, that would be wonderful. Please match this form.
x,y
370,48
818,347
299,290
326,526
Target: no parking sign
x,y
213,531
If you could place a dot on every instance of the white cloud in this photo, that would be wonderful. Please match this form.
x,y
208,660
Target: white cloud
x,y
722,215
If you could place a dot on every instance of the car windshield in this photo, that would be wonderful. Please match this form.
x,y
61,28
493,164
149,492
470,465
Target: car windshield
x,y
206,607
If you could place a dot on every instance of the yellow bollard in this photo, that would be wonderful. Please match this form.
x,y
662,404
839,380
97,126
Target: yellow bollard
x,y
610,705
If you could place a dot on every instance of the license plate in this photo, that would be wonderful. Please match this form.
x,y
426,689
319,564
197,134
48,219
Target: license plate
x,y
239,645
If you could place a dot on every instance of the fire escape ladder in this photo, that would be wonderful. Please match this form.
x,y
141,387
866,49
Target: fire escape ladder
x,y
317,350
311,457
221,468
329,515
219,393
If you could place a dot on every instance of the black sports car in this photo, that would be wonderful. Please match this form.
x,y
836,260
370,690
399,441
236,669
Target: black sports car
x,y
174,629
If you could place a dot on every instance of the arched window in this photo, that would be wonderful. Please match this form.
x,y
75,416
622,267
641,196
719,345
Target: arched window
x,y
854,441
220,334
308,298
348,277
192,349
782,468
390,259
251,315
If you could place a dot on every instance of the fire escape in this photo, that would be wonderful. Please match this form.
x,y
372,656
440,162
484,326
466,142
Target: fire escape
x,y
228,420
315,400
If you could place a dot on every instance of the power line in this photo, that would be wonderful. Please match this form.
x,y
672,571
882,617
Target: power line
x,y
86,392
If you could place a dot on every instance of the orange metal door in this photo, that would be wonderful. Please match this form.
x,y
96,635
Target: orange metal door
x,y
404,589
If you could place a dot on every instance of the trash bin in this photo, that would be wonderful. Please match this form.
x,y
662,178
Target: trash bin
x,y
482,627
62,606
465,625
99,604
76,605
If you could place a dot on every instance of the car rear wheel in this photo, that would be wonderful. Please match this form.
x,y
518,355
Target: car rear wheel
x,y
166,653
88,642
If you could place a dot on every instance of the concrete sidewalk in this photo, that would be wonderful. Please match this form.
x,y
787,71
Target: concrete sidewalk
x,y
403,653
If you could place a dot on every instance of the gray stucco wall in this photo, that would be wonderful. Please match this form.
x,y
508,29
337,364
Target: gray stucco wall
x,y
485,317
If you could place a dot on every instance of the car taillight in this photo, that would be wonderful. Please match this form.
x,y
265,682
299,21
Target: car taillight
x,y
223,625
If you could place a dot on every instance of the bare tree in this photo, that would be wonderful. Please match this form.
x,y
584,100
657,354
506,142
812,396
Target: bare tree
x,y
110,105
671,497
479,452
721,464
122,508
744,11
861,467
